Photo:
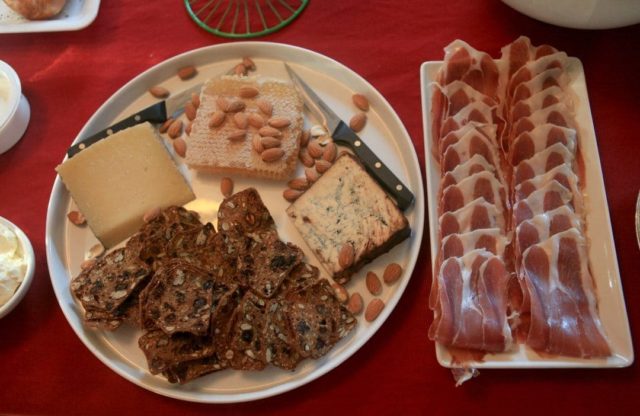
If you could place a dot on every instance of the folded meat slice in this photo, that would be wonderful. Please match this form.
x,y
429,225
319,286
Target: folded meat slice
x,y
562,173
471,306
458,94
542,162
464,63
521,51
476,163
564,314
534,67
476,215
527,144
557,114
480,185
473,142
546,198
477,112
546,79
544,226
538,101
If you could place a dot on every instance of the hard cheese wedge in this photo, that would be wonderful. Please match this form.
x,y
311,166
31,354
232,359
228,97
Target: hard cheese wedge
x,y
116,180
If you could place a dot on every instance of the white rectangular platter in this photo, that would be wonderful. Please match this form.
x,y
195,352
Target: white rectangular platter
x,y
602,253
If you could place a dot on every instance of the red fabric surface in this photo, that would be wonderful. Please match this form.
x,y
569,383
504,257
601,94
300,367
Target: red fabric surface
x,y
66,76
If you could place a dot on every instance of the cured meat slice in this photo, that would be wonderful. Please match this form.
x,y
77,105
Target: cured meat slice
x,y
546,79
547,198
475,164
540,100
521,51
471,307
527,144
478,214
545,225
459,94
542,162
532,68
556,114
464,63
562,174
459,149
564,315
480,185
477,112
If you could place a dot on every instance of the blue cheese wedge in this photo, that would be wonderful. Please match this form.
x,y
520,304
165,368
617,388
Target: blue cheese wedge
x,y
116,180
346,207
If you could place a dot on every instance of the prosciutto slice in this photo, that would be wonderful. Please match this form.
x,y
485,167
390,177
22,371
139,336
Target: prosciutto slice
x,y
472,143
477,163
480,185
562,174
542,162
547,198
531,69
521,51
545,225
556,114
538,101
477,112
563,316
527,144
476,215
476,69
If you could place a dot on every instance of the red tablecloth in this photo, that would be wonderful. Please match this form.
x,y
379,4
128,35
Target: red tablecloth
x,y
45,369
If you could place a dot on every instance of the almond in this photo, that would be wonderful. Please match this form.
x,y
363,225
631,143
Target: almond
x,y
248,91
322,166
222,104
175,129
315,150
272,155
355,303
150,214
76,218
188,128
299,184
187,72
226,186
270,131
95,251
306,159
236,135
304,138
357,122
241,120
392,273
165,126
248,63
341,293
256,120
279,122
311,174
180,146
235,106
360,101
190,111
217,118
195,99
290,194
373,309
330,152
257,144
346,256
240,70
265,106
373,283
270,142
159,92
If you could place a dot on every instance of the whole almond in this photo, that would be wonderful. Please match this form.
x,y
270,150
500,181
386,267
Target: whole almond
x,y
190,111
306,158
355,304
358,121
226,186
175,129
311,174
265,106
315,150
248,91
159,92
304,138
76,218
235,106
236,135
217,118
300,184
257,144
256,120
272,155
187,72
180,146
165,126
346,256
330,152
392,273
241,120
279,122
248,63
373,283
290,194
270,142
240,70
222,103
341,293
150,214
195,99
270,131
361,102
373,309
322,166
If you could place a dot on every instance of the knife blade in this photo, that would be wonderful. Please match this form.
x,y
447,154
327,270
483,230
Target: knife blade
x,y
342,134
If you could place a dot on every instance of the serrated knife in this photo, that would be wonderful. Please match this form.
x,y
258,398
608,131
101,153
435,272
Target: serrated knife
x,y
342,134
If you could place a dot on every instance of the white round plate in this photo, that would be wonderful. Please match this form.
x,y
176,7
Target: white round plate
x,y
385,134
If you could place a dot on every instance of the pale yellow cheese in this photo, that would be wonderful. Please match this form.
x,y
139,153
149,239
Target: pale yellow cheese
x,y
116,180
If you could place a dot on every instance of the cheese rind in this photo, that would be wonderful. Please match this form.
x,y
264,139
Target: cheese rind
x,y
116,180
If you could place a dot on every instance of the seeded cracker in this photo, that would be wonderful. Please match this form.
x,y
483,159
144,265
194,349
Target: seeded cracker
x,y
246,335
302,276
163,351
278,338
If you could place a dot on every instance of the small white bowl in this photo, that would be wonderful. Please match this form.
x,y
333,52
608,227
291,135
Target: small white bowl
x,y
30,258
14,108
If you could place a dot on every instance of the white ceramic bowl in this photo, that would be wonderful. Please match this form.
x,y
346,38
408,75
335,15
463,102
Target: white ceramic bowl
x,y
14,108
30,258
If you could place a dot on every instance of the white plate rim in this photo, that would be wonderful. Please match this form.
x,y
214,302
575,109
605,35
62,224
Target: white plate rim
x,y
524,358
86,15
160,71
